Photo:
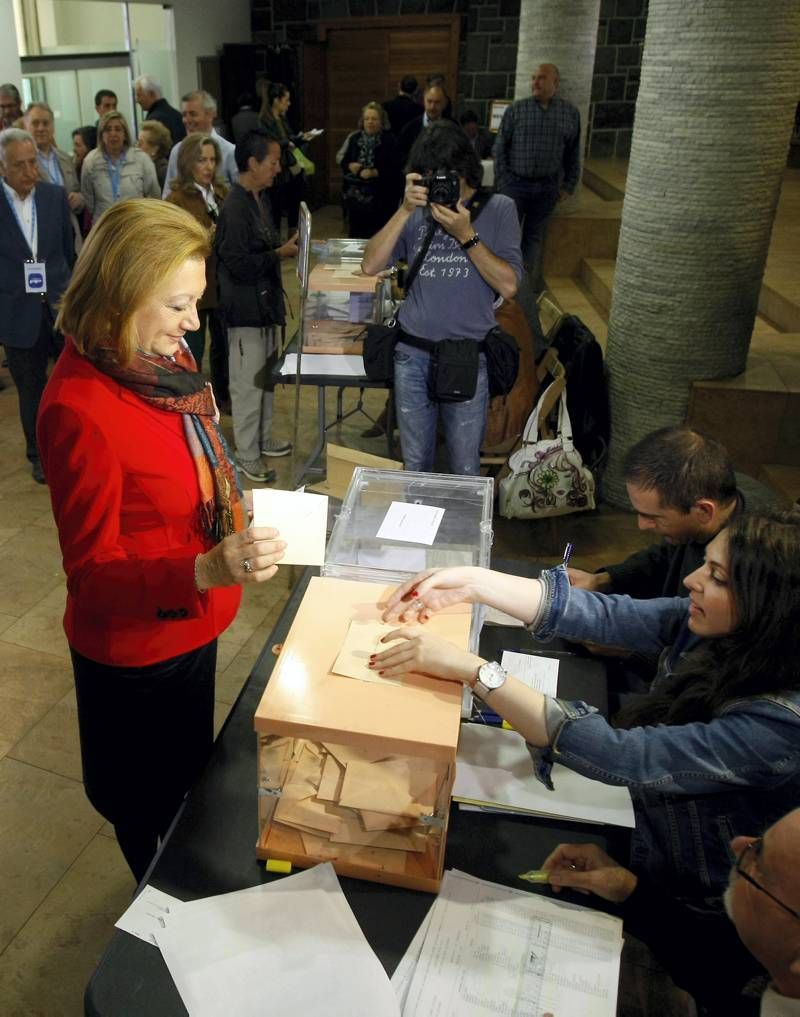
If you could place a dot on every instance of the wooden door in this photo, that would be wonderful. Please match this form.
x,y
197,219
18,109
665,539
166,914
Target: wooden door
x,y
366,57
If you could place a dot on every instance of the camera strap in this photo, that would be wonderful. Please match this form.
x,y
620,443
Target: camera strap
x,y
480,200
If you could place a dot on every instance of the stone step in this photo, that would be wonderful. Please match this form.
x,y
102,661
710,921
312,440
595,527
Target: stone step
x,y
573,298
597,276
606,177
783,480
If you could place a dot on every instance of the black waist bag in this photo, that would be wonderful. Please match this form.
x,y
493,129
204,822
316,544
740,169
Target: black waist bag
x,y
379,343
502,361
454,367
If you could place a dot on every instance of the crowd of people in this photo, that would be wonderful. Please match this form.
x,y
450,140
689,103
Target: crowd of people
x,y
122,287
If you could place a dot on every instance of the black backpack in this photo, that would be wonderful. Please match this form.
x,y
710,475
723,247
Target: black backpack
x,y
587,390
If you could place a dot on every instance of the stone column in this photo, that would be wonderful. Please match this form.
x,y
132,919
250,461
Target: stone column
x,y
720,81
564,34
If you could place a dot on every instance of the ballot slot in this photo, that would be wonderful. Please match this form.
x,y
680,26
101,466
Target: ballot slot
x,y
354,769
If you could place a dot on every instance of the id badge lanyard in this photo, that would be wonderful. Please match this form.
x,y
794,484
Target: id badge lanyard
x,y
34,271
114,175
33,240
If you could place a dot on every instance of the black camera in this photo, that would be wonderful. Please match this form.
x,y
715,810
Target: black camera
x,y
444,187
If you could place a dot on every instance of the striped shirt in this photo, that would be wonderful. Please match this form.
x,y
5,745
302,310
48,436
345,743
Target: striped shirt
x,y
534,142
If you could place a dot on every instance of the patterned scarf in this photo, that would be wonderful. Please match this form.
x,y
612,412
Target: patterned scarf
x,y
176,386
367,143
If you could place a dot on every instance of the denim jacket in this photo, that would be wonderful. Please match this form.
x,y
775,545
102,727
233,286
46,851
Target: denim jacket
x,y
694,786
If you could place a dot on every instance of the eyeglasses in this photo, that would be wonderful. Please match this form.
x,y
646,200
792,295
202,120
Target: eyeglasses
x,y
754,847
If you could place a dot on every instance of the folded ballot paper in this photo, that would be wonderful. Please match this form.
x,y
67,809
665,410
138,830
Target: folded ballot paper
x,y
289,947
486,949
494,771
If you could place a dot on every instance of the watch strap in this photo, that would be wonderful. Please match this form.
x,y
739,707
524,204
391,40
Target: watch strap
x,y
473,240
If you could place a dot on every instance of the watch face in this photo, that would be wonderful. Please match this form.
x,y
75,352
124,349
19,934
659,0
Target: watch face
x,y
491,675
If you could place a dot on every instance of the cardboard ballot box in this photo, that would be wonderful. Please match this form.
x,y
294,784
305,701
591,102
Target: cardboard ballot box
x,y
353,768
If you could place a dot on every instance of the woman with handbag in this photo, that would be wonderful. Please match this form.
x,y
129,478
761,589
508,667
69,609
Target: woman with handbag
x,y
198,188
439,364
249,257
371,172
289,189
150,517
712,749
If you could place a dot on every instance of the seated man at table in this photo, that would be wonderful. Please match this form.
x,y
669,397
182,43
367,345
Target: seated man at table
x,y
714,959
683,488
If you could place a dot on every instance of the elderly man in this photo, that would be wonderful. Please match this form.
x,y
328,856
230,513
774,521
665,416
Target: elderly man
x,y
10,105
36,257
704,953
55,165
537,158
150,96
105,101
198,111
434,101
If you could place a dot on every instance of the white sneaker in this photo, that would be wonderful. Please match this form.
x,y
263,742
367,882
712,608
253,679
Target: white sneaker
x,y
275,448
256,470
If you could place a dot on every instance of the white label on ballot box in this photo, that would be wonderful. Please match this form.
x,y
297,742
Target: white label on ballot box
x,y
417,524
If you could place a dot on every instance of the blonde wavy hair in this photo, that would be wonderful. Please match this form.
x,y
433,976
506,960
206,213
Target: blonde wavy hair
x,y
132,249
104,121
191,149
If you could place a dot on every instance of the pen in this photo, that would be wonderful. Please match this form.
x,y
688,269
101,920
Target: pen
x,y
567,554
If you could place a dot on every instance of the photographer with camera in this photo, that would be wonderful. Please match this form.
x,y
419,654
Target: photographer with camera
x,y
459,276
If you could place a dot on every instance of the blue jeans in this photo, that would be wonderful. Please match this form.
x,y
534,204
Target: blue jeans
x,y
535,201
464,423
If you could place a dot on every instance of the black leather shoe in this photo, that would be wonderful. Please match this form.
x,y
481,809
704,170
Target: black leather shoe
x,y
373,432
38,472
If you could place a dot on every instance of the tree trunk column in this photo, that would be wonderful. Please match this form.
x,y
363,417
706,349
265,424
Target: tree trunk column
x,y
720,80
564,35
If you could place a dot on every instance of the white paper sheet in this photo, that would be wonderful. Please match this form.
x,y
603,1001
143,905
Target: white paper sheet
x,y
494,767
396,559
288,947
404,972
540,673
416,524
345,364
494,950
300,518
148,913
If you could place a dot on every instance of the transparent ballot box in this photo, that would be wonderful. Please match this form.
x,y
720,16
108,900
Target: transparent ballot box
x,y
378,532
340,300
353,768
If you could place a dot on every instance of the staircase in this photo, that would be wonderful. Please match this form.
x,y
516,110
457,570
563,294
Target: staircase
x,y
757,414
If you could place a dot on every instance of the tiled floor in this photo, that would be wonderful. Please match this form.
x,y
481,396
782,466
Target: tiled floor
x,y
62,879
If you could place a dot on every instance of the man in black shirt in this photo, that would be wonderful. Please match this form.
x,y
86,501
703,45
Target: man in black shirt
x,y
149,95
682,487
402,109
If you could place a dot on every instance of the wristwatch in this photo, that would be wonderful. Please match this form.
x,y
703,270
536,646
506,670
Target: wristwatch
x,y
490,677
473,240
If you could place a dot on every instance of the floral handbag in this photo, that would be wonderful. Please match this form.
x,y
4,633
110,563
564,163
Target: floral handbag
x,y
547,475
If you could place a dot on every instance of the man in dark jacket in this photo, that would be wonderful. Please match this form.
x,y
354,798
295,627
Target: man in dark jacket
x,y
150,97
249,254
722,961
682,486
403,108
435,100
37,249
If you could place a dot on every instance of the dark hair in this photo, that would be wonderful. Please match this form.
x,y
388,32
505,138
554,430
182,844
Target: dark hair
x,y
276,90
89,135
255,144
443,145
469,116
408,84
12,90
683,466
104,93
245,99
760,655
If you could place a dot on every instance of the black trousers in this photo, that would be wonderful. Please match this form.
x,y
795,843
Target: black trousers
x,y
146,734
28,368
218,356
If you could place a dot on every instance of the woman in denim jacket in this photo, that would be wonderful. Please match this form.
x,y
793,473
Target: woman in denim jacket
x,y
714,749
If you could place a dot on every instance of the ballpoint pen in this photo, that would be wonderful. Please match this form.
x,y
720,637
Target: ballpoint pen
x,y
567,554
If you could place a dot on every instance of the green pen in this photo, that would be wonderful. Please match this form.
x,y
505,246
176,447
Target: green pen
x,y
535,876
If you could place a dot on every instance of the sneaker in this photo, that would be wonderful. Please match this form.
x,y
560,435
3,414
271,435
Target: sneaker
x,y
275,448
256,470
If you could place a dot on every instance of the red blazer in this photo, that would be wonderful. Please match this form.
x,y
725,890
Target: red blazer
x,y
125,498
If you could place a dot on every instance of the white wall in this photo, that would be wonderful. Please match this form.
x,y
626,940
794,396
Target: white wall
x,y
201,26
9,52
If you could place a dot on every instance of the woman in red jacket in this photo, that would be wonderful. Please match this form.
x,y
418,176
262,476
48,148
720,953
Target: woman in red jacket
x,y
150,517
